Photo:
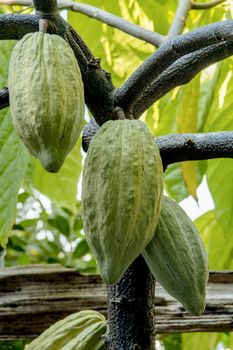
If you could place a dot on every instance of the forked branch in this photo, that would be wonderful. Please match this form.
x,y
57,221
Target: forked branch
x,y
180,18
215,40
181,72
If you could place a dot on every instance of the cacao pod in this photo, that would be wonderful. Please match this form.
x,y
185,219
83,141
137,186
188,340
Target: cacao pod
x,y
177,258
121,194
46,97
83,330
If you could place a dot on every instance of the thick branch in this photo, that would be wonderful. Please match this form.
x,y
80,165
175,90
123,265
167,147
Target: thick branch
x,y
130,308
180,18
181,72
167,54
205,5
16,26
181,147
105,17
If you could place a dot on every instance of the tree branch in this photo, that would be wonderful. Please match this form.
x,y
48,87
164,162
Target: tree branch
x,y
46,7
202,38
116,22
181,147
181,72
180,18
16,26
205,5
130,307
185,147
105,17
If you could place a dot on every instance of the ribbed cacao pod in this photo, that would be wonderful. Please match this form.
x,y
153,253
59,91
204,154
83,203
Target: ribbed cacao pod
x,y
46,97
83,330
177,258
121,194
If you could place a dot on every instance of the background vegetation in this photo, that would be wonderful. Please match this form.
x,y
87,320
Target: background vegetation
x,y
43,224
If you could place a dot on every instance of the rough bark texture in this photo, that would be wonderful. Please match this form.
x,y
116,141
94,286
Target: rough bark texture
x,y
130,308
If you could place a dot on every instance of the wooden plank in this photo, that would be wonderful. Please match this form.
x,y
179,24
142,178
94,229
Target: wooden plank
x,y
34,297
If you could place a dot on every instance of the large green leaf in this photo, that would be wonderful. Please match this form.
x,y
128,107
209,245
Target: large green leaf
x,y
13,159
219,177
200,341
186,121
220,111
218,244
13,156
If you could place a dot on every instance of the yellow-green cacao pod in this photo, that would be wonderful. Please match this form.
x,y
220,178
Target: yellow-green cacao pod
x,y
177,258
121,194
46,97
83,330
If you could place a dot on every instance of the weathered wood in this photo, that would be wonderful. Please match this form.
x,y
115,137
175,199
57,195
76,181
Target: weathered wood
x,y
34,297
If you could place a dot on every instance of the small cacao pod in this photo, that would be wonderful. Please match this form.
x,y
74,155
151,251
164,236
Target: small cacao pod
x,y
177,258
121,194
46,97
83,330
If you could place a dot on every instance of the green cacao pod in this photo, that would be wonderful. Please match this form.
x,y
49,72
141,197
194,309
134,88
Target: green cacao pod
x,y
83,330
46,97
177,258
121,194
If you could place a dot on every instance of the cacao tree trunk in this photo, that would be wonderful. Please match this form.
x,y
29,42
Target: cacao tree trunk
x,y
130,310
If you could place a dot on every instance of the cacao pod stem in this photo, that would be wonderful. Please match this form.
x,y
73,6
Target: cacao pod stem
x,y
43,25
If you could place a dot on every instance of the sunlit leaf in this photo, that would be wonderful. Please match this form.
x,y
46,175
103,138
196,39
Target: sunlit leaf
x,y
200,341
218,243
174,183
13,156
219,177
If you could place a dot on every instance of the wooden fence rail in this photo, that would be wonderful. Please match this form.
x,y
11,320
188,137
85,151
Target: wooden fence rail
x,y
34,297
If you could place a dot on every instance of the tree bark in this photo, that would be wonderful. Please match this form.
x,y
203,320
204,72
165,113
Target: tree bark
x,y
130,309
46,7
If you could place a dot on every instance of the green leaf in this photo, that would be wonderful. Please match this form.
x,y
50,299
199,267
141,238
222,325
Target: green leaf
x,y
200,341
172,342
220,111
60,223
186,121
219,178
81,249
174,183
13,156
218,244
61,188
